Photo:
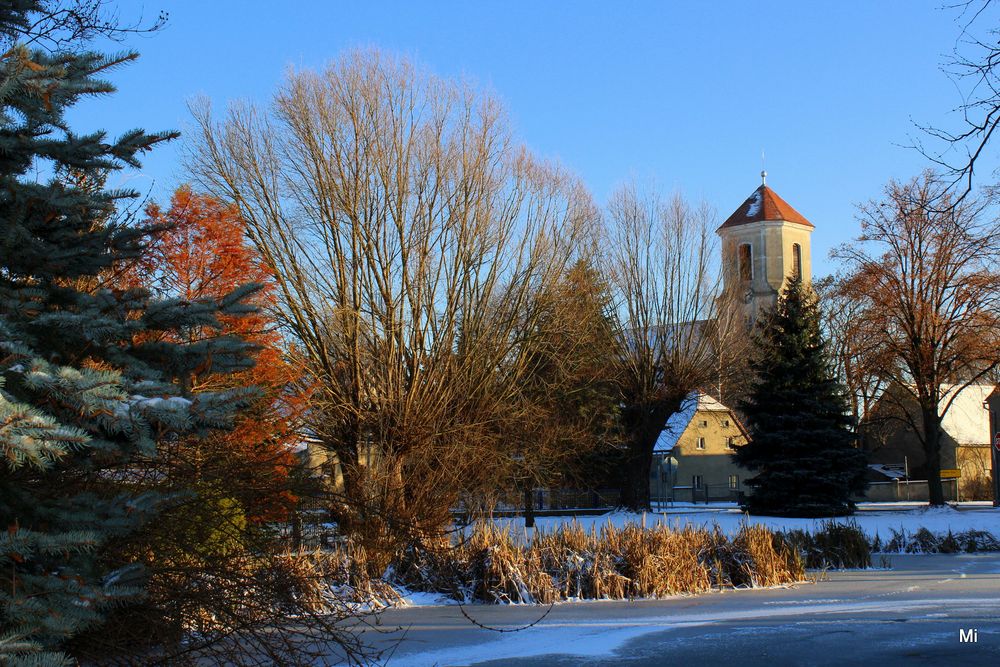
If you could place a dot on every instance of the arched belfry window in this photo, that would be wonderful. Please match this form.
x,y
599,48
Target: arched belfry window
x,y
796,261
746,262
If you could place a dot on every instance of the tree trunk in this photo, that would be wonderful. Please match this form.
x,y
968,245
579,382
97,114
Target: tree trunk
x,y
932,448
529,507
645,425
296,532
346,504
635,492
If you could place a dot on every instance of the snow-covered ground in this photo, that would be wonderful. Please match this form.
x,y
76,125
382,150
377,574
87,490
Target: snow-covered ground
x,y
410,598
873,518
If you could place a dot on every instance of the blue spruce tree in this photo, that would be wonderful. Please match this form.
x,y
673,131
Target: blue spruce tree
x,y
802,446
89,382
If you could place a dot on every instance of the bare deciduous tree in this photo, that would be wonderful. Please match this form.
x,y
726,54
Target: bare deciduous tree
x,y
925,279
408,234
57,25
974,67
854,345
659,264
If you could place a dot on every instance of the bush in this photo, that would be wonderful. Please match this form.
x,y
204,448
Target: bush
x,y
979,487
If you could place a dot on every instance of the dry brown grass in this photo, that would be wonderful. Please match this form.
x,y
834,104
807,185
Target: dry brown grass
x,y
323,581
496,564
764,560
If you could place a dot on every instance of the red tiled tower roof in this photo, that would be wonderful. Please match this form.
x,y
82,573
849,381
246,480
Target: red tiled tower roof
x,y
764,204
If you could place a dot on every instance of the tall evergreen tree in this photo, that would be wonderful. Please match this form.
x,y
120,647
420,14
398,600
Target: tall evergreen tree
x,y
84,390
802,447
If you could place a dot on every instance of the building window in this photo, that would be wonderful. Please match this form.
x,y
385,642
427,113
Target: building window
x,y
725,423
734,482
703,423
731,443
796,261
696,481
746,262
701,443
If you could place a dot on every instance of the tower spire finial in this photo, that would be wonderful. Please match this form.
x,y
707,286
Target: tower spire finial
x,y
763,172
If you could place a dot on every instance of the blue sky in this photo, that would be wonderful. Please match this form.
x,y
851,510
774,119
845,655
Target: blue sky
x,y
685,94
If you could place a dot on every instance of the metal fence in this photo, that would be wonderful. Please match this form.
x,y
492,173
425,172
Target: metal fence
x,y
914,489
707,493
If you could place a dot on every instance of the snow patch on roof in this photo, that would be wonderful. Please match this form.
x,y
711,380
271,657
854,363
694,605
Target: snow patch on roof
x,y
754,208
890,471
677,424
706,402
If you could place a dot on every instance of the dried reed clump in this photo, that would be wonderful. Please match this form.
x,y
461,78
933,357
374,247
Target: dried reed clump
x,y
836,545
500,570
429,565
565,552
659,561
323,581
495,564
306,578
925,541
765,561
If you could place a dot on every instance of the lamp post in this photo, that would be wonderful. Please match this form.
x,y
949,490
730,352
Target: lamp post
x,y
995,451
668,464
522,481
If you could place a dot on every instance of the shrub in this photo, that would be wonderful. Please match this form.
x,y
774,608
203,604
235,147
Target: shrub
x,y
978,540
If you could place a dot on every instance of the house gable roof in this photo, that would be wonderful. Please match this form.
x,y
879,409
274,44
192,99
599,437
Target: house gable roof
x,y
966,422
764,204
677,424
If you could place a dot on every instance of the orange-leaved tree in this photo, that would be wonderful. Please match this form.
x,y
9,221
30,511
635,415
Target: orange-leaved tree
x,y
198,252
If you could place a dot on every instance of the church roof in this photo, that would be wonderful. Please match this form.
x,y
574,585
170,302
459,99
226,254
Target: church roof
x,y
764,204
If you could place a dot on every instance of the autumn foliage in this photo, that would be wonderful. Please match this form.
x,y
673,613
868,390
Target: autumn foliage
x,y
199,252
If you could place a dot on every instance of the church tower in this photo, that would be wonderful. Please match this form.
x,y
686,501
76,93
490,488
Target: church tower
x,y
764,242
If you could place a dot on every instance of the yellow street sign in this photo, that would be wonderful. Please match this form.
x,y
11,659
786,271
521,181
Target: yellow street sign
x,y
951,473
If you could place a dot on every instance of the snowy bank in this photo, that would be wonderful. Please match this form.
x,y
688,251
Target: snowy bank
x,y
874,522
